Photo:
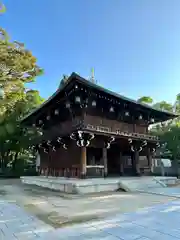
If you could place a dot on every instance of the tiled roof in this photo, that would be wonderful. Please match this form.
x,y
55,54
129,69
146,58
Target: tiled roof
x,y
75,76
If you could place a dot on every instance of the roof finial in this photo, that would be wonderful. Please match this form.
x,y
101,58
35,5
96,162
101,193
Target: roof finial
x,y
92,75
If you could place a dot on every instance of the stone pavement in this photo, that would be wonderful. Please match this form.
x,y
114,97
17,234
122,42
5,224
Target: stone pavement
x,y
160,222
16,224
168,191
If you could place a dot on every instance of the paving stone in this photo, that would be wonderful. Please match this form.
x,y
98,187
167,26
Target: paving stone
x,y
151,223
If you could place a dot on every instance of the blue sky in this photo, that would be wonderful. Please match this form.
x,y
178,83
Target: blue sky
x,y
133,45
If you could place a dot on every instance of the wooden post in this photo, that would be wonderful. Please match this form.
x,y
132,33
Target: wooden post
x,y
149,158
105,162
121,163
83,162
136,159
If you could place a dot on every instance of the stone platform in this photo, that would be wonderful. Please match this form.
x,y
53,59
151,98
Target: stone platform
x,y
96,185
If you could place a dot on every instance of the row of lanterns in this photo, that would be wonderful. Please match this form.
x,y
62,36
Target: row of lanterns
x,y
78,100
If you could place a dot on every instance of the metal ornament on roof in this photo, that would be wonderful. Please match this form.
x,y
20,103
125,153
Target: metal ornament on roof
x,y
81,142
109,141
157,145
60,140
45,150
144,143
82,139
153,150
40,145
134,149
54,149
49,143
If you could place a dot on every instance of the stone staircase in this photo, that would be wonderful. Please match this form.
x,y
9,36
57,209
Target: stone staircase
x,y
141,184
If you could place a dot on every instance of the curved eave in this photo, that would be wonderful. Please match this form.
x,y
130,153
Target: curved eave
x,y
74,76
45,103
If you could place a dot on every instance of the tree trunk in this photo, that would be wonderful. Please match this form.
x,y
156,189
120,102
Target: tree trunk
x,y
15,161
2,161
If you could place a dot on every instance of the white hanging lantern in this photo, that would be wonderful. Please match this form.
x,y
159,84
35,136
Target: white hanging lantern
x,y
140,117
126,114
111,109
56,112
152,120
94,103
68,105
48,118
77,99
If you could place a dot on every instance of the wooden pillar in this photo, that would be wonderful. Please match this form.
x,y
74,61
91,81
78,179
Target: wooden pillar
x,y
83,162
150,158
121,163
136,162
105,162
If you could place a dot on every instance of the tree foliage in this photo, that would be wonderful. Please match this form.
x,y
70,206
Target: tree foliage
x,y
17,68
2,8
145,99
169,131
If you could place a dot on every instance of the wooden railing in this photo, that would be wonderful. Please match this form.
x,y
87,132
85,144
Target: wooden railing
x,y
95,170
118,132
72,172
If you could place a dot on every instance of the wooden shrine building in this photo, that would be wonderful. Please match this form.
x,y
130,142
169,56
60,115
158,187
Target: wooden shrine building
x,y
89,131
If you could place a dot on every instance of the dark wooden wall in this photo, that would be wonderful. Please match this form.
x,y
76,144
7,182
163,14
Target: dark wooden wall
x,y
61,158
115,125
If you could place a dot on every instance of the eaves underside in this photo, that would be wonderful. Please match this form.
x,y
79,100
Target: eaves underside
x,y
75,77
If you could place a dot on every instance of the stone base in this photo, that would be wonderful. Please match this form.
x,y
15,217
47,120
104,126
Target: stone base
x,y
84,186
76,186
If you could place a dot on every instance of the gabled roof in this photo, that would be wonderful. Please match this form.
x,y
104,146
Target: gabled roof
x,y
75,77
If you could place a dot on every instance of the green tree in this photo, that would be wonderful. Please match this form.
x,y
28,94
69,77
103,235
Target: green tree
x,y
17,67
145,99
2,8
171,138
163,106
